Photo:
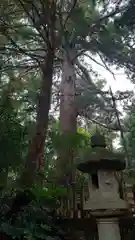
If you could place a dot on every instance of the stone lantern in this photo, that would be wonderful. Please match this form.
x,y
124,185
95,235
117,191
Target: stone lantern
x,y
104,201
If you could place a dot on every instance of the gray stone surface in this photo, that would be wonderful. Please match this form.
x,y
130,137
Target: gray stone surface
x,y
108,229
106,196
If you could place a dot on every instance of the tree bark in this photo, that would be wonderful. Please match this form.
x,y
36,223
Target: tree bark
x,y
36,145
68,115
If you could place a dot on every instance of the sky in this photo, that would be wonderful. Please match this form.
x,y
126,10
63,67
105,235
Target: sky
x,y
121,83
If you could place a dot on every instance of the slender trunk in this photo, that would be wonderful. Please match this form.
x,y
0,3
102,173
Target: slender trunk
x,y
36,146
68,116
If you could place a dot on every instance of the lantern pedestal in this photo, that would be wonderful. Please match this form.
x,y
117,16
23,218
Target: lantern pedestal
x,y
108,229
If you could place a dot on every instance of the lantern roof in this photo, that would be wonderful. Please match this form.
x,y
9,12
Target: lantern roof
x,y
99,157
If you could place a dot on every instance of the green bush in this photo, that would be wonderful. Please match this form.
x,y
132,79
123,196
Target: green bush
x,y
37,220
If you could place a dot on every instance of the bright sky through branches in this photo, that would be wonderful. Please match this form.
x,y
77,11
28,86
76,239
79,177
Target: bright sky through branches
x,y
120,83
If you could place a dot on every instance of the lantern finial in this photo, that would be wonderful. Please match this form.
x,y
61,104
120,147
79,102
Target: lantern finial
x,y
98,140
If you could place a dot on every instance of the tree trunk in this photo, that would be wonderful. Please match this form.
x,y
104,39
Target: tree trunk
x,y
68,115
36,145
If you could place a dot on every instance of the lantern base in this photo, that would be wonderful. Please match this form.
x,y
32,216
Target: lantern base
x,y
105,203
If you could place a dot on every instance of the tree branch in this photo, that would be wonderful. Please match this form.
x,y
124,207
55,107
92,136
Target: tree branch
x,y
17,49
35,24
87,76
120,128
70,12
106,67
111,14
86,115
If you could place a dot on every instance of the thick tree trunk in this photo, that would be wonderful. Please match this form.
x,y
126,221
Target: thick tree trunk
x,y
68,117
